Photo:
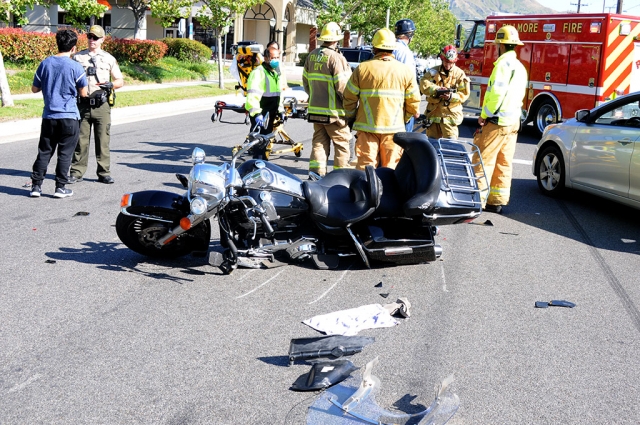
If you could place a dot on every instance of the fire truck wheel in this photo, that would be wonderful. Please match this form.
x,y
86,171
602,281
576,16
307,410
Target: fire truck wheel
x,y
546,114
550,171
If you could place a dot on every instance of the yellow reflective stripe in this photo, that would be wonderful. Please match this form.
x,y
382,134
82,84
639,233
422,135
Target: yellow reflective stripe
x,y
499,190
382,93
352,88
316,164
369,128
325,111
314,76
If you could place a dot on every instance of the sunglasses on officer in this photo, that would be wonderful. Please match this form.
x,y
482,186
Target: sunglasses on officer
x,y
93,37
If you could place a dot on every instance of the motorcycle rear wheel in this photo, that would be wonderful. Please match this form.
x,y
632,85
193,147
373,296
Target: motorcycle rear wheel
x,y
140,235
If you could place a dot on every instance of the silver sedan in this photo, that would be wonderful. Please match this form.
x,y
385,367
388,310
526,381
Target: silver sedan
x,y
594,152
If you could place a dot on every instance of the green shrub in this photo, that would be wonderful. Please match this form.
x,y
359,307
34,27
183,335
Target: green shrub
x,y
26,47
23,47
302,57
135,51
187,50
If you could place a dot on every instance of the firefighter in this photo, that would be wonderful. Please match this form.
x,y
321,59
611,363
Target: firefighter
x,y
446,89
264,93
404,30
381,96
500,120
324,77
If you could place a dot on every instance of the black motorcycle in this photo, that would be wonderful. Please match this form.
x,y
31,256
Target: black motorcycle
x,y
267,215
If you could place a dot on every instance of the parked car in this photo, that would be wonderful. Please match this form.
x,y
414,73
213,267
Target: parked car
x,y
594,152
355,55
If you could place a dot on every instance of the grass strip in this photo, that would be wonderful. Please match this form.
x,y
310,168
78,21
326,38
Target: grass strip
x,y
32,108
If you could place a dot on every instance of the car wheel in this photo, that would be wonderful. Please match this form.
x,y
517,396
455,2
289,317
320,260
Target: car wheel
x,y
545,115
550,171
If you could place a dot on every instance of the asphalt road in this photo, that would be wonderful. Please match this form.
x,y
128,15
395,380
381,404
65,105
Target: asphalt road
x,y
92,333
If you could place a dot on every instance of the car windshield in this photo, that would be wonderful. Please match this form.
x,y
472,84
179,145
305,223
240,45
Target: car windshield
x,y
620,115
357,55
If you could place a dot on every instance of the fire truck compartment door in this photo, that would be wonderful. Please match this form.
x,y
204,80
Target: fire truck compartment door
x,y
549,63
602,151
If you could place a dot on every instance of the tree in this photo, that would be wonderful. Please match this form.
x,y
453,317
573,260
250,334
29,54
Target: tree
x,y
139,10
9,9
78,11
219,15
435,23
167,11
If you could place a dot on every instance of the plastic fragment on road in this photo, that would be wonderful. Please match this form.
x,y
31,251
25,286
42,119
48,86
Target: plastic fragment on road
x,y
554,303
50,261
81,214
353,402
324,374
352,321
379,285
335,346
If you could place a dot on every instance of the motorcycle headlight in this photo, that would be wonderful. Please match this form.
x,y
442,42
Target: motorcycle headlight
x,y
198,206
198,156
207,182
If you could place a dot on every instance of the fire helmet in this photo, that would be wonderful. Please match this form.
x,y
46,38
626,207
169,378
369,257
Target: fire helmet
x,y
384,39
449,54
331,32
508,35
406,27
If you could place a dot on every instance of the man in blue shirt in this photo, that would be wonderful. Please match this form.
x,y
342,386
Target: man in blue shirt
x,y
405,28
60,79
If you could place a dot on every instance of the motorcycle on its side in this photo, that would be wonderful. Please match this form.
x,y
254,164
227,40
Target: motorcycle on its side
x,y
267,214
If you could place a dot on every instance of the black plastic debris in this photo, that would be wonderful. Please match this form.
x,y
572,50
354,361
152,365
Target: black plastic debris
x,y
324,374
50,261
484,223
384,295
379,285
81,213
554,303
334,346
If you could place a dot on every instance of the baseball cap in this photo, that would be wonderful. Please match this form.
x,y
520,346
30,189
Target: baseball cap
x,y
96,30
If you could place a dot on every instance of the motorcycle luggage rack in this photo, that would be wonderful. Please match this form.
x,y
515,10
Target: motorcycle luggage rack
x,y
458,177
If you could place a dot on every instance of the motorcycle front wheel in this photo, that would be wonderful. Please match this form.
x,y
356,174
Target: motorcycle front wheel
x,y
141,234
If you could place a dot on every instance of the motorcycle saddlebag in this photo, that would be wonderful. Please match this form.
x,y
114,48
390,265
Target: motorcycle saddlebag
x,y
398,242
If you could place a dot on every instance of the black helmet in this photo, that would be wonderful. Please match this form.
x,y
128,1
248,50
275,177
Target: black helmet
x,y
405,26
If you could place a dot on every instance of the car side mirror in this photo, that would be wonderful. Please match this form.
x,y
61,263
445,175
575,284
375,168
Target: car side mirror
x,y
582,115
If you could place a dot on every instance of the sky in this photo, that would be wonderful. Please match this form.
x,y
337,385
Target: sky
x,y
629,7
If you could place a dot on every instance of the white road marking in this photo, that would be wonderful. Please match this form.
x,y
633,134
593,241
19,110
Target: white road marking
x,y
261,285
522,161
444,280
247,274
25,383
332,286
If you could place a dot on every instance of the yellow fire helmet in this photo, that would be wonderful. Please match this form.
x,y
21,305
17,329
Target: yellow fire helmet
x,y
508,35
331,32
384,39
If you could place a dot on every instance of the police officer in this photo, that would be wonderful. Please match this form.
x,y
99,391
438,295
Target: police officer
x,y
324,77
103,75
446,88
264,93
404,30
500,120
382,94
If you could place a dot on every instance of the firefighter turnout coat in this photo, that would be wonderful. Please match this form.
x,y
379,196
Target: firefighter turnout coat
x,y
440,110
505,91
382,95
325,75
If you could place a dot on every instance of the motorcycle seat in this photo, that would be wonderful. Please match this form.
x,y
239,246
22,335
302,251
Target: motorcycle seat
x,y
343,197
418,174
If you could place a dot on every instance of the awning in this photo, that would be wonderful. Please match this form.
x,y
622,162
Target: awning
x,y
105,3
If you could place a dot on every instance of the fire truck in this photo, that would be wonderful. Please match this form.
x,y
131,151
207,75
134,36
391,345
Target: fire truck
x,y
574,61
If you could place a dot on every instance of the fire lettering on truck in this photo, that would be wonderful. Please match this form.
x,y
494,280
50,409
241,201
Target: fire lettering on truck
x,y
572,27
527,27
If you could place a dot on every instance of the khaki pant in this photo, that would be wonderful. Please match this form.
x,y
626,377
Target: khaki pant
x,y
497,146
378,150
323,134
442,129
100,119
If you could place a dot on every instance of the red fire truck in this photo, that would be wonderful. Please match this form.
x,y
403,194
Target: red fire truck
x,y
574,61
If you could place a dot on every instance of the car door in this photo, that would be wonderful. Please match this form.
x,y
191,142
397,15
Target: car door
x,y
602,151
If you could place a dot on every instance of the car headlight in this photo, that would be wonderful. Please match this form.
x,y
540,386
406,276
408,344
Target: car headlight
x,y
198,205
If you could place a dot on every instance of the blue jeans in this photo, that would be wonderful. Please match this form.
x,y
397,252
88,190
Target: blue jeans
x,y
409,125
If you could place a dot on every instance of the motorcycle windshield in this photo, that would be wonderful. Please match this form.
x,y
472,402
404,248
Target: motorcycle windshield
x,y
352,402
